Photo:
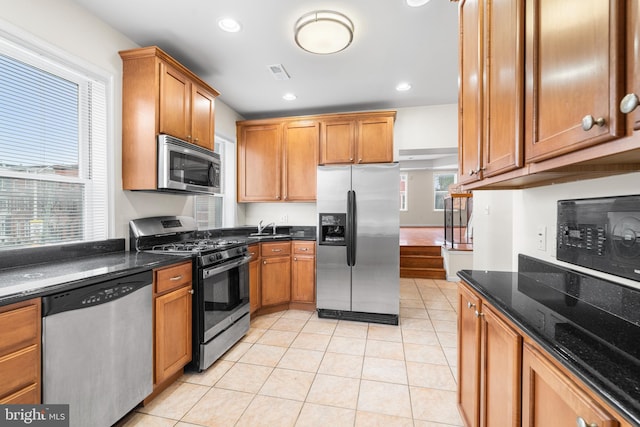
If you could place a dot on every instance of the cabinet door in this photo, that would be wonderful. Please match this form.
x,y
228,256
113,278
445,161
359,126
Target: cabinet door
x,y
501,357
173,332
337,142
468,357
259,163
303,278
301,140
202,117
470,91
275,280
503,143
550,398
175,95
574,78
374,143
254,278
632,98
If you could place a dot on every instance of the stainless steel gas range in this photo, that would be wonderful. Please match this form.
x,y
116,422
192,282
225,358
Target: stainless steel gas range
x,y
221,280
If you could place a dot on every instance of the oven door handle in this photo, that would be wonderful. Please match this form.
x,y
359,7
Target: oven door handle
x,y
208,272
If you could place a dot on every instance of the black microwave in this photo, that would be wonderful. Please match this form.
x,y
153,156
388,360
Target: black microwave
x,y
187,168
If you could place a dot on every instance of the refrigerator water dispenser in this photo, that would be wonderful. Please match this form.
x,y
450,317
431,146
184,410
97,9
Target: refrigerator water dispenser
x,y
332,229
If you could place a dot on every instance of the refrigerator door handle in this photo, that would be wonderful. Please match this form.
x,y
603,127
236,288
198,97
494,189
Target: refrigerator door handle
x,y
352,228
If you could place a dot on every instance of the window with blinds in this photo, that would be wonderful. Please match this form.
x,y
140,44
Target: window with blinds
x,y
53,171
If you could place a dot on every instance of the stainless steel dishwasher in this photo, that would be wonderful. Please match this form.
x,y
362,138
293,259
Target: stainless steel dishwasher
x,y
97,347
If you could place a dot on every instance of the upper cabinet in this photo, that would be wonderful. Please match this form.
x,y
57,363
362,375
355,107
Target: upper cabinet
x,y
159,95
491,96
363,138
541,85
574,75
278,158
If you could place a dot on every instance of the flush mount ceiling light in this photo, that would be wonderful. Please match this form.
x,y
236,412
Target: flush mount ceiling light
x,y
323,32
403,87
229,25
417,3
289,96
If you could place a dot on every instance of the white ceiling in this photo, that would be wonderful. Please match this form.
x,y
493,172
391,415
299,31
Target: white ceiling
x,y
393,43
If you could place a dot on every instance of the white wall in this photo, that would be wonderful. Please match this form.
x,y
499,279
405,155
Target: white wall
x,y
493,230
70,28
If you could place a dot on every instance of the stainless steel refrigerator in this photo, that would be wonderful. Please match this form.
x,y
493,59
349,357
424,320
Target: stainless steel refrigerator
x,y
358,248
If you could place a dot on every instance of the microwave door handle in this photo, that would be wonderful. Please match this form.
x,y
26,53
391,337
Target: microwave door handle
x,y
208,272
211,174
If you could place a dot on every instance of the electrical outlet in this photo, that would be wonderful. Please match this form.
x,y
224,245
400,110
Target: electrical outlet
x,y
284,219
541,236
486,210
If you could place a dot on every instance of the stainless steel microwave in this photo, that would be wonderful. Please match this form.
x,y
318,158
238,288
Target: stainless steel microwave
x,y
185,167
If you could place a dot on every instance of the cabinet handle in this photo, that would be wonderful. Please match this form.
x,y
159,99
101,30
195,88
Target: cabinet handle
x,y
276,250
629,103
191,291
478,314
589,121
470,304
174,278
580,422
304,249
252,253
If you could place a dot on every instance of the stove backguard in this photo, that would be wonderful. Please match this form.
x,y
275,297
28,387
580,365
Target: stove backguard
x,y
601,233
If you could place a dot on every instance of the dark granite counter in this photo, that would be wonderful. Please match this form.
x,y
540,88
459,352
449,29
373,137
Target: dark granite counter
x,y
285,232
590,325
32,272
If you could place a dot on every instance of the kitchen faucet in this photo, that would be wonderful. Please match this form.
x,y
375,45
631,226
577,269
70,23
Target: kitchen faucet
x,y
261,228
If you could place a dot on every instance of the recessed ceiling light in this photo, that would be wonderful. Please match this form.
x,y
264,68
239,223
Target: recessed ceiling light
x,y
417,3
229,25
289,97
403,87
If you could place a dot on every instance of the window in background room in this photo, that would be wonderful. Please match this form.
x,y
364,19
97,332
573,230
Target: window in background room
x,y
441,183
209,210
53,150
404,181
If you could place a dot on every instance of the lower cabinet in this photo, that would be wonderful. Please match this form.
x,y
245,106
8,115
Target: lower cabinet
x,y
20,362
282,274
489,354
303,272
172,325
506,379
550,398
275,273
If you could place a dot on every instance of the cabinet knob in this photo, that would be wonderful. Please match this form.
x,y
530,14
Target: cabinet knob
x,y
191,291
629,103
359,160
580,422
351,159
188,137
264,262
478,314
295,258
589,121
470,304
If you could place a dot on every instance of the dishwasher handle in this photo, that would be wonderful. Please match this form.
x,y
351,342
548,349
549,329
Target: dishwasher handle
x,y
95,294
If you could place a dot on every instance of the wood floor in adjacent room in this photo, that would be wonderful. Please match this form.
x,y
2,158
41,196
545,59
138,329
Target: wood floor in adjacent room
x,y
421,236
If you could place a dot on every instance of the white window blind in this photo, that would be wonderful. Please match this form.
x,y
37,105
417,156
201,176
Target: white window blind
x,y
53,137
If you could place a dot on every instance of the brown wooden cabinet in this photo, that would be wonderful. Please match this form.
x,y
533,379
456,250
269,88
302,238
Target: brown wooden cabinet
x,y
574,75
491,88
254,278
550,397
631,100
303,272
489,355
275,273
159,95
277,161
172,320
20,361
366,138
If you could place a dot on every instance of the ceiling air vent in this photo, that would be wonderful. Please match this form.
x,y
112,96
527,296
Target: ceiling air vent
x,y
278,72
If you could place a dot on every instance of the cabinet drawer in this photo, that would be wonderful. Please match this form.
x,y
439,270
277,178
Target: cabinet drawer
x,y
19,369
254,251
275,249
20,327
304,248
25,396
172,277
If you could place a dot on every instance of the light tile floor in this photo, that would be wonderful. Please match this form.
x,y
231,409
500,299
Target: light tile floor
x,y
294,369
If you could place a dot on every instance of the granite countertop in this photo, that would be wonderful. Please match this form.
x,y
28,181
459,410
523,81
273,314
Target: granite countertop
x,y
34,272
590,325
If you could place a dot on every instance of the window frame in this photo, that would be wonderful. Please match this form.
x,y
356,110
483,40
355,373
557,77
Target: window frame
x,y
436,192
